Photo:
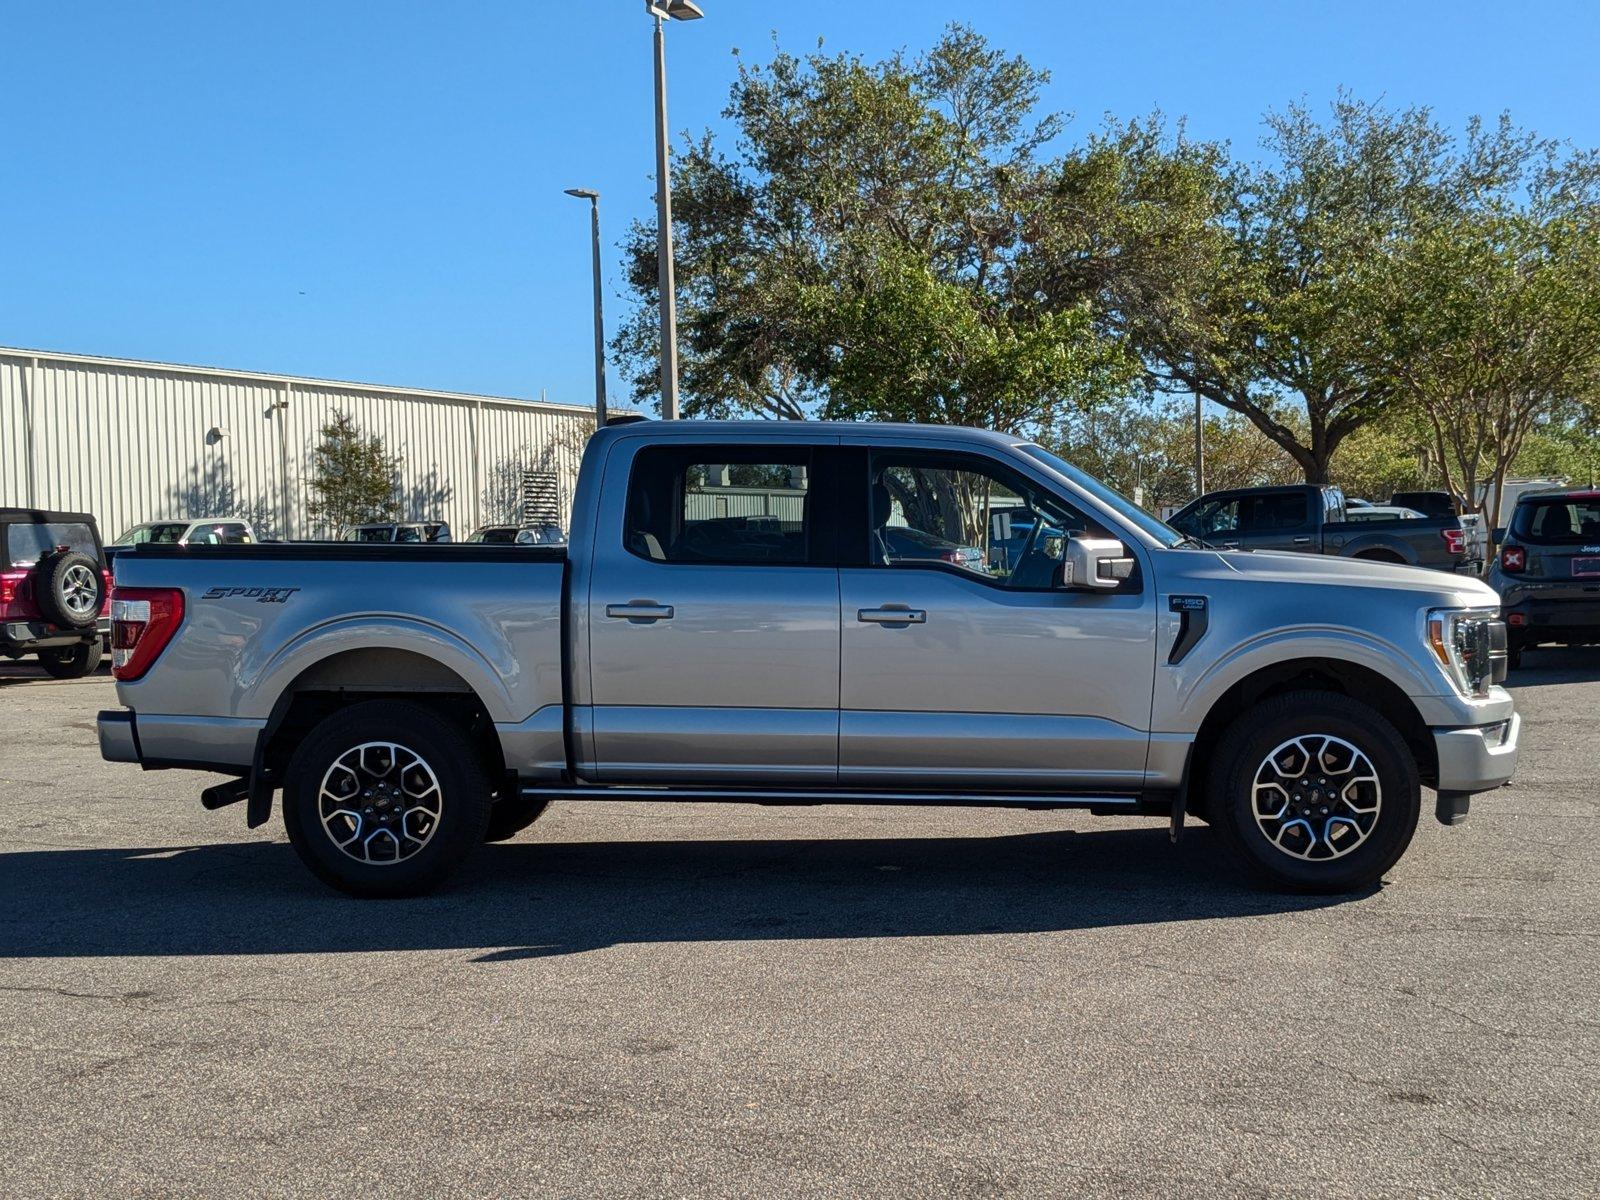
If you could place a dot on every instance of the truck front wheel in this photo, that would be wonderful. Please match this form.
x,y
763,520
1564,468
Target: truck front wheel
x,y
1315,792
385,799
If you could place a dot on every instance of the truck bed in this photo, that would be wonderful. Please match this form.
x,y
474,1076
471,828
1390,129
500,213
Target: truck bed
x,y
263,619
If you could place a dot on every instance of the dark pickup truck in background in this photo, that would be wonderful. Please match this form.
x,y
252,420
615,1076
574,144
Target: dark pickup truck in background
x,y
1313,520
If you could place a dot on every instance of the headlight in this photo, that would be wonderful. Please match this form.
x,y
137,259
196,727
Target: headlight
x,y
1471,647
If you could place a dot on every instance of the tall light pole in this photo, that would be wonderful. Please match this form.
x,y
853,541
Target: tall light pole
x,y
664,11
1199,449
593,197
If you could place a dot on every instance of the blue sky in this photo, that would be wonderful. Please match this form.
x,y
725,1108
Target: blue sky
x,y
374,191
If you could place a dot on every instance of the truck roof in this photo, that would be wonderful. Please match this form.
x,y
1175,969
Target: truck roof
x,y
802,430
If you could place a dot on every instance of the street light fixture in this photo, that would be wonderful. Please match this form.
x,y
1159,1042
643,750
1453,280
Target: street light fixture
x,y
664,11
593,197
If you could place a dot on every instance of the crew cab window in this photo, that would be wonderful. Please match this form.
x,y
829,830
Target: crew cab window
x,y
970,515
1274,511
720,504
1217,515
234,534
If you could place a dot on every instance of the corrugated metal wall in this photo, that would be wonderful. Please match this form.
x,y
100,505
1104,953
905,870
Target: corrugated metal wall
x,y
135,442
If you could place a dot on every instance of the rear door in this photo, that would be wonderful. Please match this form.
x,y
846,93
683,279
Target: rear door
x,y
978,671
713,616
1277,521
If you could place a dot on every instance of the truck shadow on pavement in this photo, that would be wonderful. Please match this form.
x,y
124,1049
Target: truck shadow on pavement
x,y
530,899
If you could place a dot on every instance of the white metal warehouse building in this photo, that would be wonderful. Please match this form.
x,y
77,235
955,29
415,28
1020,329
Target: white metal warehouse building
x,y
140,441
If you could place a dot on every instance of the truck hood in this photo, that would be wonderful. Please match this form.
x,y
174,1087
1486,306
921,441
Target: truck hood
x,y
1278,566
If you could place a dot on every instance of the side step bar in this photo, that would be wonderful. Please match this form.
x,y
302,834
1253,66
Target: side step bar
x,y
1114,802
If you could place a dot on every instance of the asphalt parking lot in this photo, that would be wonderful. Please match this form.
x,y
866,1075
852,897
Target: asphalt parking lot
x,y
727,1001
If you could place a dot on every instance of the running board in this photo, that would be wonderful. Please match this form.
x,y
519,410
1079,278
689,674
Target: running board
x,y
1123,802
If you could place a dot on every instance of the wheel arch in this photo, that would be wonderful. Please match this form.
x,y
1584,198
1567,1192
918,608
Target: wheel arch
x,y
354,676
1319,674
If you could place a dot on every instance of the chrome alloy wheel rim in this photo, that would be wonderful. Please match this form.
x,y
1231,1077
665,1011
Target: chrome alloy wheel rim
x,y
79,591
380,802
1316,797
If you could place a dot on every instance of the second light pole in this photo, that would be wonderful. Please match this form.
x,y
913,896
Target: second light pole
x,y
593,197
663,11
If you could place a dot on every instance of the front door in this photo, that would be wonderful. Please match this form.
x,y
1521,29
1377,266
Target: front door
x,y
965,663
713,617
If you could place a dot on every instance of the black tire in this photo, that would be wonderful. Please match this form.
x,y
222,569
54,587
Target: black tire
x,y
422,848
511,815
71,662
70,589
1245,750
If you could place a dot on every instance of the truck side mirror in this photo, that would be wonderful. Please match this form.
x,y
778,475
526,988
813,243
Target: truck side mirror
x,y
1094,564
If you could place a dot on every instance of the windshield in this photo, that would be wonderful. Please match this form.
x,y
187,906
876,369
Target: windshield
x,y
161,533
1557,520
1123,507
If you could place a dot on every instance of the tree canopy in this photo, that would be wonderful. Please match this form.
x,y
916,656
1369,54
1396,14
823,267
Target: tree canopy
x,y
913,239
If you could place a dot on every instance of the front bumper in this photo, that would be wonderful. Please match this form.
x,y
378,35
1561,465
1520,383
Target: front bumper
x,y
1477,758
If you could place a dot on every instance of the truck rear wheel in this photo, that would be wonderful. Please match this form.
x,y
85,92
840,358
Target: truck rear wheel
x,y
385,799
1315,792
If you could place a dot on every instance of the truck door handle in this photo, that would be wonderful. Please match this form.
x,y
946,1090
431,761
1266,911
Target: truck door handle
x,y
640,610
893,614
1230,542
1302,541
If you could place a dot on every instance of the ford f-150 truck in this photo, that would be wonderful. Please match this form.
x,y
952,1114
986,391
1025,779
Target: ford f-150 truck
x,y
739,616
1313,520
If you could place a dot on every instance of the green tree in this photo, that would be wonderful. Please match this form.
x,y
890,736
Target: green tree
x,y
1496,320
355,480
1256,286
854,252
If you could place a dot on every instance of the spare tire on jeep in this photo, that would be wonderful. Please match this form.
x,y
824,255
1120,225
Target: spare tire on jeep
x,y
69,589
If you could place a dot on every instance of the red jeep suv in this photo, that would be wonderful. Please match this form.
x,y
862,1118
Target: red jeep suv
x,y
54,590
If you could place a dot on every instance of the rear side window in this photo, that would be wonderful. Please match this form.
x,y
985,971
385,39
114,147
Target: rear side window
x,y
720,504
1264,514
1558,519
27,543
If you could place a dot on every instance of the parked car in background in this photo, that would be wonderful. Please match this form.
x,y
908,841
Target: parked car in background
x,y
675,653
201,531
399,531
1548,571
905,544
1440,503
518,535
1314,520
1382,512
54,589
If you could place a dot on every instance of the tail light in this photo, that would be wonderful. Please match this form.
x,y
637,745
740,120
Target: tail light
x,y
105,605
1513,559
11,589
143,621
1455,540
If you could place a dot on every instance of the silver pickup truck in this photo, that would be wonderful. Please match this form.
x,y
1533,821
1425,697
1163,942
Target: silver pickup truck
x,y
799,613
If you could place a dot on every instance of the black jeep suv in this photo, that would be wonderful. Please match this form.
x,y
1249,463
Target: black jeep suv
x,y
54,589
